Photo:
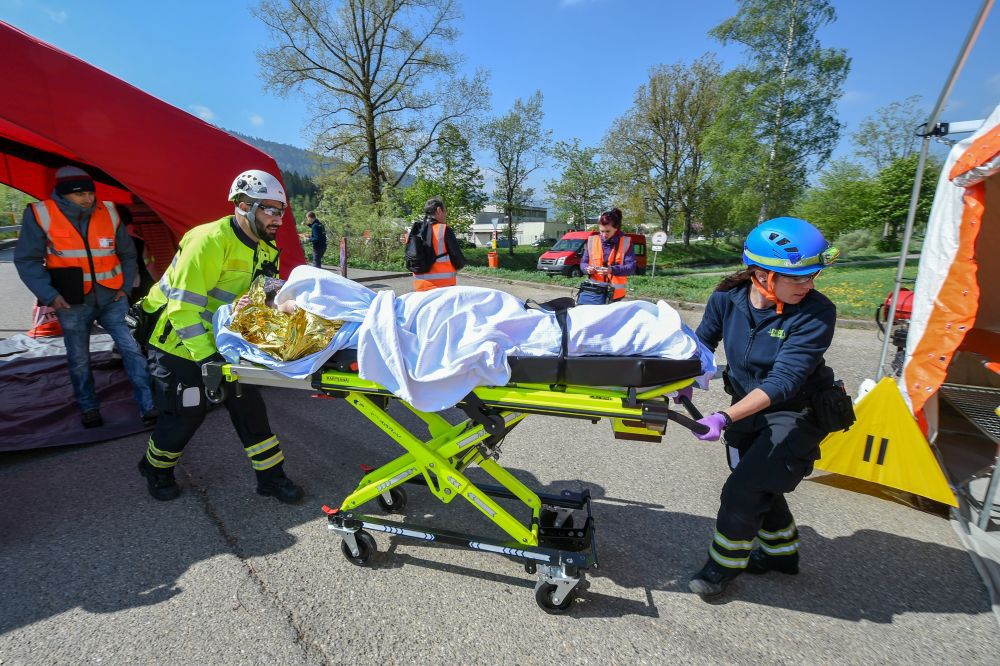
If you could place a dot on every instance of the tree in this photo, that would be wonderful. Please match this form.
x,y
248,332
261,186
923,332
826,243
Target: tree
x,y
658,144
584,186
891,133
777,118
450,172
840,201
380,85
12,205
893,190
517,145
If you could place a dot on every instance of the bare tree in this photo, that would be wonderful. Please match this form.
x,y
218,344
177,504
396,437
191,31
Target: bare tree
x,y
518,146
380,84
891,134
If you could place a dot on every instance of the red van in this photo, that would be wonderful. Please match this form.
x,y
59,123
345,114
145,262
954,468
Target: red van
x,y
564,257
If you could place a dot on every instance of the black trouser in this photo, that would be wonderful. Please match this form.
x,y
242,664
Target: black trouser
x,y
179,392
769,455
318,252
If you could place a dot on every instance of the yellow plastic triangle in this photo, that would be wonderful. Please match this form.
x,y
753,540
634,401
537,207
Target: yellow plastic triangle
x,y
886,446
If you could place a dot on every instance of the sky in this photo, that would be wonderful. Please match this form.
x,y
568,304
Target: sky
x,y
587,57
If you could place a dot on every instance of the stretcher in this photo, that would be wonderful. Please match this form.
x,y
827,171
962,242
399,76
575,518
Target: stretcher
x,y
554,538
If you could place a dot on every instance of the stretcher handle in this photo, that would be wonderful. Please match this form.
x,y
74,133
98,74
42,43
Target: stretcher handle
x,y
687,422
689,406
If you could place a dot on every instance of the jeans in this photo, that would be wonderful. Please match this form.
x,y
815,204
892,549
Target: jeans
x,y
318,252
76,322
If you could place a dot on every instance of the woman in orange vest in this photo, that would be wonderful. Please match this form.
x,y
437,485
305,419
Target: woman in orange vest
x,y
608,260
75,255
449,255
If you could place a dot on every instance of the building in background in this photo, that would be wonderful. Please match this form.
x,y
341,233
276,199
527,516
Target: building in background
x,y
531,223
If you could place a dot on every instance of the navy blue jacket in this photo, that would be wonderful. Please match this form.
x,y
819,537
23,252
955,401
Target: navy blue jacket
x,y
783,355
318,235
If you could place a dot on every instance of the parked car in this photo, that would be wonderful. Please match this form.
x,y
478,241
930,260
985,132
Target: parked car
x,y
543,242
504,242
564,257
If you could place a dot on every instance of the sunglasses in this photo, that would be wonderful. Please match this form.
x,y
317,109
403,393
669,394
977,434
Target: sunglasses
x,y
801,279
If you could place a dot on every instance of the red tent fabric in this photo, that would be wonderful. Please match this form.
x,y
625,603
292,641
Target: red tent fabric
x,y
60,110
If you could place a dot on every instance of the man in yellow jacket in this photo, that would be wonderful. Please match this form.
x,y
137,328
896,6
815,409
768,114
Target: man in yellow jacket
x,y
215,263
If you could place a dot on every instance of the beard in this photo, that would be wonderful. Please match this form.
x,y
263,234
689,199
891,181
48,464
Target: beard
x,y
265,231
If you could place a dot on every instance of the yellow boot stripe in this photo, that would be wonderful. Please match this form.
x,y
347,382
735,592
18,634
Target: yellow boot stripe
x,y
155,462
163,454
780,534
262,446
732,545
269,463
728,562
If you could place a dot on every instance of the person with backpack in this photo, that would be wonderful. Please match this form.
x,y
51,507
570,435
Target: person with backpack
x,y
317,236
432,251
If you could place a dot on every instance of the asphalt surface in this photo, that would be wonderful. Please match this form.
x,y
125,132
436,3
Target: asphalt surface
x,y
94,570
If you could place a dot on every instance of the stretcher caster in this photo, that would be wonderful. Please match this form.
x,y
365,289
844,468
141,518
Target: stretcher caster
x,y
546,595
393,500
363,543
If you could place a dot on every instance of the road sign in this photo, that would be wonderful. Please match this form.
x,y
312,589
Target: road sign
x,y
659,238
657,248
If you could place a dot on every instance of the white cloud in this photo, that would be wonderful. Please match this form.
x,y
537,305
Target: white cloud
x,y
202,112
256,119
57,15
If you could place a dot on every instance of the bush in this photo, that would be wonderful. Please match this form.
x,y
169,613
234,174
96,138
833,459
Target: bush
x,y
853,241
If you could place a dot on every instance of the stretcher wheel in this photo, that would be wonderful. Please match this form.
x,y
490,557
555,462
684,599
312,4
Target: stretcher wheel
x,y
396,502
543,597
366,548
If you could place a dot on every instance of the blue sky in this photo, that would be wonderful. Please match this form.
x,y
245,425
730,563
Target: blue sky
x,y
586,56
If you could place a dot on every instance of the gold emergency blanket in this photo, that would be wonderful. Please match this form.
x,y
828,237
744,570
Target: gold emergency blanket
x,y
284,336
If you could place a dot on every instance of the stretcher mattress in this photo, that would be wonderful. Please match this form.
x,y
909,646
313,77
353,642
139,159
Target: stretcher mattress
x,y
626,371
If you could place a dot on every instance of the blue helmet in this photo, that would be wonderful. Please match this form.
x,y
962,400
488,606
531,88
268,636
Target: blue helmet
x,y
789,246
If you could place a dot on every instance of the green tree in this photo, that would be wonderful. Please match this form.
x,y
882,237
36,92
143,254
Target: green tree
x,y
891,202
450,172
584,185
517,145
12,204
840,201
777,117
891,133
380,84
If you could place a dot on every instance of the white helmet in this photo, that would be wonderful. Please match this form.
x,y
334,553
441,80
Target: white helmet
x,y
258,184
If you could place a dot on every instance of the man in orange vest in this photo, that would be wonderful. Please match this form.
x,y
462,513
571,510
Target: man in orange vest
x,y
78,258
608,260
449,260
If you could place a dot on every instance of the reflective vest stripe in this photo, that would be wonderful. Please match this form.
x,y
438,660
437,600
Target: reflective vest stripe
x,y
42,216
222,295
595,252
192,331
68,248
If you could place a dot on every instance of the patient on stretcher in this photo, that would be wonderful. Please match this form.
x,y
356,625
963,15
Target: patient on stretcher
x,y
432,348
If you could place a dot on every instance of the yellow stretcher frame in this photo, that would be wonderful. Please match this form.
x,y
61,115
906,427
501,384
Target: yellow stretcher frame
x,y
549,544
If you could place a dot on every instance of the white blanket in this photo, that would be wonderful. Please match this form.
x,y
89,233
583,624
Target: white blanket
x,y
432,348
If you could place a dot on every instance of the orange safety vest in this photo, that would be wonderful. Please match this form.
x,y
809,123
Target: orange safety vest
x,y
442,273
96,256
595,252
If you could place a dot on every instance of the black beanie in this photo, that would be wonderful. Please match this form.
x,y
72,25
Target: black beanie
x,y
71,179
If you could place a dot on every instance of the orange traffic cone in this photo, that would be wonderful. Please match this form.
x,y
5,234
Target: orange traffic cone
x,y
44,323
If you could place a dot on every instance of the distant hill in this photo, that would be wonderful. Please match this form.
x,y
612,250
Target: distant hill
x,y
299,160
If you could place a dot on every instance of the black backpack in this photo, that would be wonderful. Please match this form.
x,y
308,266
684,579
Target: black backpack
x,y
419,255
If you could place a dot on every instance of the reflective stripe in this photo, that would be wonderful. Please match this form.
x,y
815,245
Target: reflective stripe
x,y
780,534
732,545
68,254
42,216
164,454
155,462
261,446
207,316
113,212
192,331
107,274
221,295
434,276
784,263
185,297
269,463
728,562
94,252
786,549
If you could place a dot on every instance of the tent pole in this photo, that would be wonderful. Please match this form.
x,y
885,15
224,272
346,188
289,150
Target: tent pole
x,y
928,129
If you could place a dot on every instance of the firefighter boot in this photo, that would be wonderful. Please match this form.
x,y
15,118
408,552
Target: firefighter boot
x,y
760,563
160,482
274,483
712,580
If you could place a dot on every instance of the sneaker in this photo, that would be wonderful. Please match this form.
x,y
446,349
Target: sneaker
x,y
160,482
92,419
149,417
760,563
711,581
280,487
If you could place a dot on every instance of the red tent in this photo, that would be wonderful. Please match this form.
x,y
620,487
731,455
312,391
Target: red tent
x,y
59,110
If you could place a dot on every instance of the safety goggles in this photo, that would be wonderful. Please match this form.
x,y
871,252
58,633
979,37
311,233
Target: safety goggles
x,y
272,211
800,279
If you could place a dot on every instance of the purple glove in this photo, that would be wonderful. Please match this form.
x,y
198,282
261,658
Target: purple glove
x,y
715,423
685,392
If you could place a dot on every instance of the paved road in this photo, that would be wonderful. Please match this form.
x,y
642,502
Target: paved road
x,y
95,570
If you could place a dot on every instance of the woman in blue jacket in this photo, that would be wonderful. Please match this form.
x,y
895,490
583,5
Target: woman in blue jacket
x,y
775,328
